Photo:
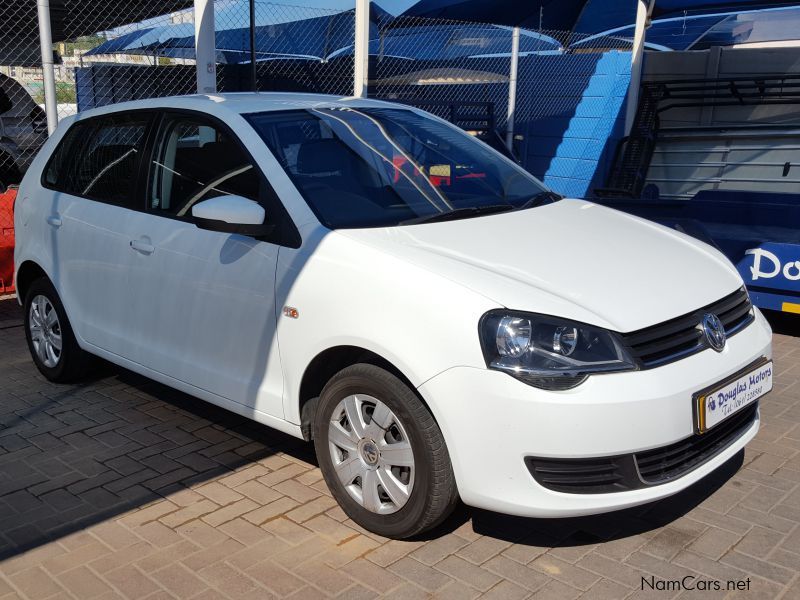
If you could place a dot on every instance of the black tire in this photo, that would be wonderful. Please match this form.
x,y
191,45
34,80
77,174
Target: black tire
x,y
73,362
434,494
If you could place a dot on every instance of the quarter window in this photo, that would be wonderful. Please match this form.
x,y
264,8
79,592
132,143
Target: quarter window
x,y
195,161
99,159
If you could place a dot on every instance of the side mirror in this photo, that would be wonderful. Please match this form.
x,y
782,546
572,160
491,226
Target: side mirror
x,y
231,214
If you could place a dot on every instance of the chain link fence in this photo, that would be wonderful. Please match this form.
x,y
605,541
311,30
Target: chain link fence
x,y
567,83
23,123
570,89
456,70
297,49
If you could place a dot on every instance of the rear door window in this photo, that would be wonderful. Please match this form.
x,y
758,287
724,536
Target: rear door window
x,y
99,159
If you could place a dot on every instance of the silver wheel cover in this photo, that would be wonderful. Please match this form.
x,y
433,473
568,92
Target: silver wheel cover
x,y
45,330
371,454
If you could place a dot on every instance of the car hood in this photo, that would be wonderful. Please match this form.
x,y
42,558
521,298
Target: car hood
x,y
572,259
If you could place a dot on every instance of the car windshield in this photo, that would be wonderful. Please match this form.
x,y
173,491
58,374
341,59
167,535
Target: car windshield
x,y
375,167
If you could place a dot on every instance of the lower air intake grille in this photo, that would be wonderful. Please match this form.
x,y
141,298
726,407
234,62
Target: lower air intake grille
x,y
662,464
625,472
583,476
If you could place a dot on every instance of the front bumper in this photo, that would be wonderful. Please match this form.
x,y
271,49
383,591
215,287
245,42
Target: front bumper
x,y
493,422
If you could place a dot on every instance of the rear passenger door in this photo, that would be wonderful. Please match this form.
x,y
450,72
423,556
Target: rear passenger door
x,y
94,175
206,312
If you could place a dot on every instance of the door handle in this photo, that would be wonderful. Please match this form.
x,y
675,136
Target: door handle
x,y
54,221
142,247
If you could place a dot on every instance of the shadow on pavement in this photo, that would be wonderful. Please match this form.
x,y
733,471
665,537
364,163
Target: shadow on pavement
x,y
73,456
783,323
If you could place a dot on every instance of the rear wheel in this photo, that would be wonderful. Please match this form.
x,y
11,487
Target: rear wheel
x,y
50,338
382,453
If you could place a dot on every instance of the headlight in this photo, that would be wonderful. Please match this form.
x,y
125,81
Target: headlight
x,y
548,352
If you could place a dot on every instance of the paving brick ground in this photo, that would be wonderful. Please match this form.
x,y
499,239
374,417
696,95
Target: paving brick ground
x,y
122,488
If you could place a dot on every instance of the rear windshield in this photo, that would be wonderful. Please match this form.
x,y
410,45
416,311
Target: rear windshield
x,y
373,167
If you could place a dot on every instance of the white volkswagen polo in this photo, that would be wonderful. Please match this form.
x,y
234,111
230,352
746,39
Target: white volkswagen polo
x,y
371,277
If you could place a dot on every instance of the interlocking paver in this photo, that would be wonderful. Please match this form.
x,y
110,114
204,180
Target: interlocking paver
x,y
121,488
131,582
424,576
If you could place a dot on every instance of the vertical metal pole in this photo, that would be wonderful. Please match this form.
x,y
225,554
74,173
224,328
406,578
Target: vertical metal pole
x,y
643,10
253,70
361,50
48,74
205,47
512,89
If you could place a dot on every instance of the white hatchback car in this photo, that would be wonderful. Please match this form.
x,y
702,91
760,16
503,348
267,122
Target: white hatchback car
x,y
371,277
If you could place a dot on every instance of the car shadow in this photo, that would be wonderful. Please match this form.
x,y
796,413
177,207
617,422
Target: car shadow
x,y
74,456
783,323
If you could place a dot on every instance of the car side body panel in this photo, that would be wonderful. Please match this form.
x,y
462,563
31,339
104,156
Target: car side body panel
x,y
333,275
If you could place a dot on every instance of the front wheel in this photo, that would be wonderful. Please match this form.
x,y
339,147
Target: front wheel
x,y
382,454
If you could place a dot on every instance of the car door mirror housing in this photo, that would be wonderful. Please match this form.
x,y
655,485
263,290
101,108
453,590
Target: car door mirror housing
x,y
231,214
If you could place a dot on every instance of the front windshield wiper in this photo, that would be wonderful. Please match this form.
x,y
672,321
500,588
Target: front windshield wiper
x,y
460,213
545,197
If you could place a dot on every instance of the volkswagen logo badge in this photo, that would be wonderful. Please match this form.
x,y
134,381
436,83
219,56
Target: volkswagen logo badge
x,y
714,332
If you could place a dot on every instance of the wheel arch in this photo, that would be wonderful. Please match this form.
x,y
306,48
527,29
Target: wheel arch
x,y
325,365
28,272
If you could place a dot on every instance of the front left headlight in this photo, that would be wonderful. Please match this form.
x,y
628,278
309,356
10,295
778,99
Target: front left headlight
x,y
549,352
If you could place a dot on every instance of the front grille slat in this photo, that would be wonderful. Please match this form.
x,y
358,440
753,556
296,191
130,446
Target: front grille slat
x,y
584,480
680,337
586,476
661,331
685,339
733,316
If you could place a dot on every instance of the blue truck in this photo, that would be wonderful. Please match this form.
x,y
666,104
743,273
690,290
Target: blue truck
x,y
758,231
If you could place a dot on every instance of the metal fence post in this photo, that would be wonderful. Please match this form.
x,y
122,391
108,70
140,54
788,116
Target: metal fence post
x,y
512,88
643,10
253,64
361,50
48,74
205,47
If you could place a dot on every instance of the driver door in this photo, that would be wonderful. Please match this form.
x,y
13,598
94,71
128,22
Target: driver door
x,y
206,300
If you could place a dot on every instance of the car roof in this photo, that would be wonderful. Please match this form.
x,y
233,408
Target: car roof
x,y
239,103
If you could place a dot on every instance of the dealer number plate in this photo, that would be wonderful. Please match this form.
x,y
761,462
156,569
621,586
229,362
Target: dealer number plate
x,y
719,402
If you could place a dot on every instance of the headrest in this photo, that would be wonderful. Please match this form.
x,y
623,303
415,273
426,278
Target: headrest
x,y
323,157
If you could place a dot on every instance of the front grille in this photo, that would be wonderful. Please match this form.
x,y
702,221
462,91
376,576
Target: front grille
x,y
626,472
677,338
663,464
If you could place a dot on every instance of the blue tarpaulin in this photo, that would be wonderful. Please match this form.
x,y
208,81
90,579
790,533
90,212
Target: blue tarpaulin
x,y
582,16
310,38
327,37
